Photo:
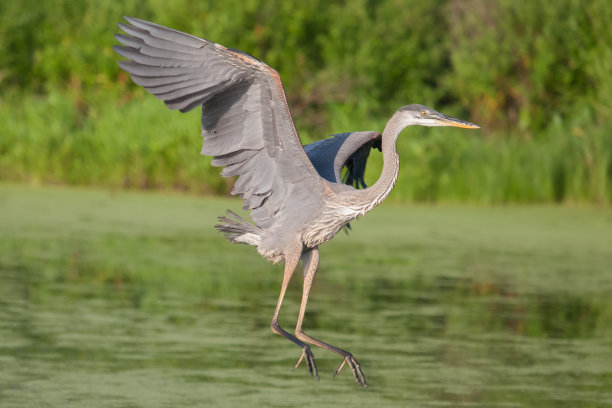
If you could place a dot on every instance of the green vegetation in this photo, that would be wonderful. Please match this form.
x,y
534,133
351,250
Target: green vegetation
x,y
535,77
133,299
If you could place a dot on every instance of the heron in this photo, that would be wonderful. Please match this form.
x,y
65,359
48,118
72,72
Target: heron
x,y
297,196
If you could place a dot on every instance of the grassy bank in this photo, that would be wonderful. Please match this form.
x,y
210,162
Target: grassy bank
x,y
140,144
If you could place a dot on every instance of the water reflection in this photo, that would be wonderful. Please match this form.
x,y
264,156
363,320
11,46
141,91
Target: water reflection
x,y
425,341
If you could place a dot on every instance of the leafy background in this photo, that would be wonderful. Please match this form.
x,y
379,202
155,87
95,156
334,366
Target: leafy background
x,y
535,76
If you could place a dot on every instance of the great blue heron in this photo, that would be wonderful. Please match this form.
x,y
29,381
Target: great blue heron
x,y
294,193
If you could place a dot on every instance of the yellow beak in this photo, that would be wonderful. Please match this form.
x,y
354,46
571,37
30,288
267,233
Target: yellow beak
x,y
444,120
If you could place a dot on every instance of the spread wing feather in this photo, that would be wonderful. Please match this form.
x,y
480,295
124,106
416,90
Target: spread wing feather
x,y
246,123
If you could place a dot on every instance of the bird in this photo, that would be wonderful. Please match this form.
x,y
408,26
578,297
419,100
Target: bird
x,y
296,195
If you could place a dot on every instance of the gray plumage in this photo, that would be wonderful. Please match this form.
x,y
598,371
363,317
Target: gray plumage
x,y
295,194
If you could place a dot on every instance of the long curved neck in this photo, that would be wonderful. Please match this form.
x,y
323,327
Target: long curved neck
x,y
374,195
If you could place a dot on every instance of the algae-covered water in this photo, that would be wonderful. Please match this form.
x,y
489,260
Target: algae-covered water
x,y
133,300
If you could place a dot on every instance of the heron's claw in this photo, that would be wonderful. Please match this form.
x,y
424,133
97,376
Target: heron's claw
x,y
310,362
355,367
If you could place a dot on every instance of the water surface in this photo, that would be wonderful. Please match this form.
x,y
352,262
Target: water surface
x,y
133,300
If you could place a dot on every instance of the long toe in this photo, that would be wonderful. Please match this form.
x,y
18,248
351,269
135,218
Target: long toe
x,y
355,368
310,362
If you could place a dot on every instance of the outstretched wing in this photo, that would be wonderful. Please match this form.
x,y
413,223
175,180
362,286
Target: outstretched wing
x,y
330,155
246,123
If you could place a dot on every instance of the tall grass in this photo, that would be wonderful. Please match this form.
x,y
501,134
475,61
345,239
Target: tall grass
x,y
140,144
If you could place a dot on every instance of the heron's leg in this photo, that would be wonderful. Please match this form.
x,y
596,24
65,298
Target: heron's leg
x,y
291,262
310,259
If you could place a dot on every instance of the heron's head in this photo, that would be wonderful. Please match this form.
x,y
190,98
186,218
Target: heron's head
x,y
423,116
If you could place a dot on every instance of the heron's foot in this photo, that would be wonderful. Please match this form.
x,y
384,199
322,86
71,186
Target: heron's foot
x,y
355,367
310,362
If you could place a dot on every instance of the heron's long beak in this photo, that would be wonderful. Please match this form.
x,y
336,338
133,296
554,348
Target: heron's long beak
x,y
443,120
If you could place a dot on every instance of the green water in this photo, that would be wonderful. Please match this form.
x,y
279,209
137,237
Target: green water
x,y
133,300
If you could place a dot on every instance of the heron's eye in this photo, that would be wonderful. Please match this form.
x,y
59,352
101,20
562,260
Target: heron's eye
x,y
424,113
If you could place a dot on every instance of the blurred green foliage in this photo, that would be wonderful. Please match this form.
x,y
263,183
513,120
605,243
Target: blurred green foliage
x,y
535,76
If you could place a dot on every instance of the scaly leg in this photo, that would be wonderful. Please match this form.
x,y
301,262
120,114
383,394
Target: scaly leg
x,y
310,259
291,262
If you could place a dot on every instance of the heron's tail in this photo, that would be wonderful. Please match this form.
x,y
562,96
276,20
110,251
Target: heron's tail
x,y
239,230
